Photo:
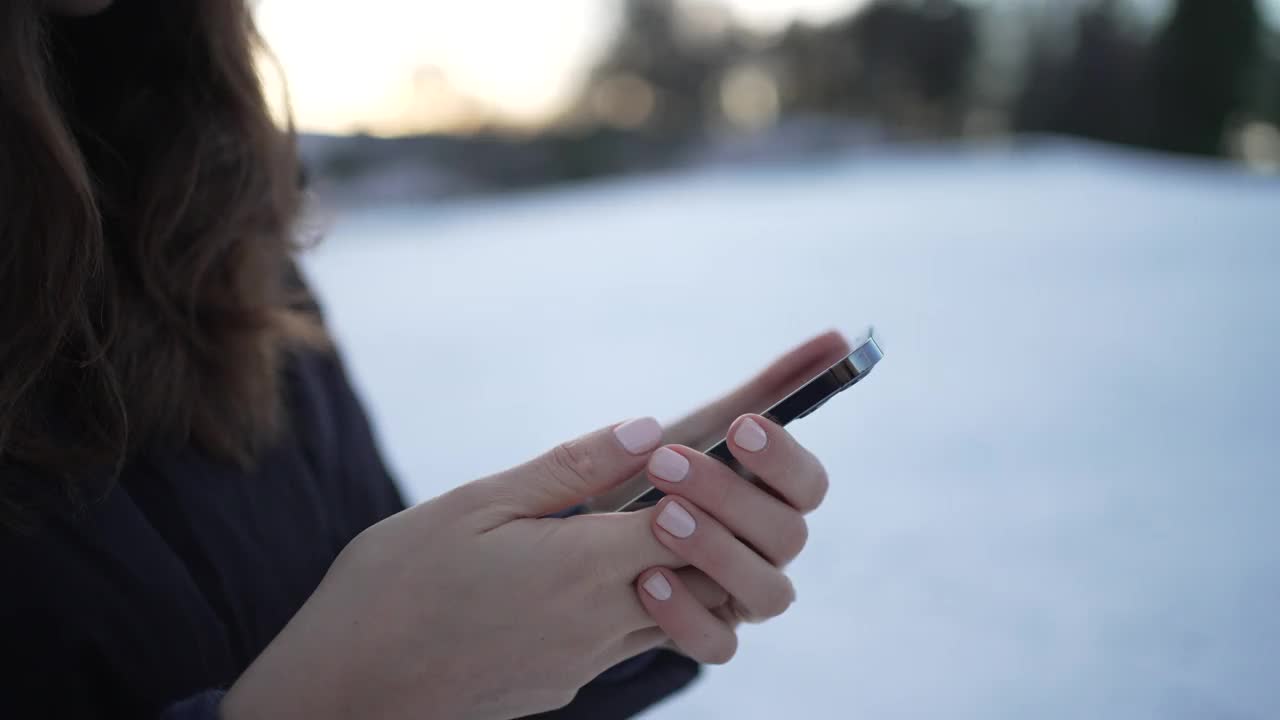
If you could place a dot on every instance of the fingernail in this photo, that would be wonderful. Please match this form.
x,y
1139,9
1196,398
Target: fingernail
x,y
750,436
639,436
676,520
669,465
658,587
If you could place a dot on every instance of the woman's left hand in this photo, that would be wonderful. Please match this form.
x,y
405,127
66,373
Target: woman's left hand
x,y
739,534
712,489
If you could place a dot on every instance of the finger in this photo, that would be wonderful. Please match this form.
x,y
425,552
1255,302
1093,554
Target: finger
x,y
799,365
570,472
771,454
637,643
771,526
704,543
796,367
708,592
707,426
729,613
694,629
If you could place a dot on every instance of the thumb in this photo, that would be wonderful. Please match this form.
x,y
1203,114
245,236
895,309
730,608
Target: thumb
x,y
573,471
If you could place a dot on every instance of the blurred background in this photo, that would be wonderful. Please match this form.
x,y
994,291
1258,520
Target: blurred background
x,y
413,101
1058,494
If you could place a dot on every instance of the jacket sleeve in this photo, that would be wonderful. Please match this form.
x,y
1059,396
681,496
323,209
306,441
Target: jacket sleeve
x,y
45,671
630,688
202,706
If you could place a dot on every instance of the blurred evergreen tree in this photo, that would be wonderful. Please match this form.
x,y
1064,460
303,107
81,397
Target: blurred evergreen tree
x,y
822,71
917,57
657,45
1202,67
904,63
1091,86
1095,69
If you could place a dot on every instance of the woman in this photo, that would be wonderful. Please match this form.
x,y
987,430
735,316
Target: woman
x,y
194,519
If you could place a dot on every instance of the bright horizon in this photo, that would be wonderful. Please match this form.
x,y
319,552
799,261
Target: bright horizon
x,y
412,67
390,67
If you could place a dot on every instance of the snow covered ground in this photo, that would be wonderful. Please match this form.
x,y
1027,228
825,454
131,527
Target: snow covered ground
x,y
1057,497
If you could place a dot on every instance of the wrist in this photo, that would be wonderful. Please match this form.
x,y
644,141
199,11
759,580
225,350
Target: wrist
x,y
275,688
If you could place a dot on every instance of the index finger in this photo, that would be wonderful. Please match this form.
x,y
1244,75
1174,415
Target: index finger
x,y
772,455
782,376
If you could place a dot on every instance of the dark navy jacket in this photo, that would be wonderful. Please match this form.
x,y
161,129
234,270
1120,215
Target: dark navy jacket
x,y
175,581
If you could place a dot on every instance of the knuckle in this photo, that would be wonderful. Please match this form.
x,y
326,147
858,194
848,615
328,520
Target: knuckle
x,y
718,596
708,592
718,489
722,652
570,464
776,599
792,538
823,483
470,497
477,499
815,490
707,557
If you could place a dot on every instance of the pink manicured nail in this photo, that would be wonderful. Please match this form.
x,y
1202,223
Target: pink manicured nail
x,y
658,587
669,465
750,436
676,520
639,436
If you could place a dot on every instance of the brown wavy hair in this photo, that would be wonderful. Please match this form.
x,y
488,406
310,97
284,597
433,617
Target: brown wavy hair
x,y
147,204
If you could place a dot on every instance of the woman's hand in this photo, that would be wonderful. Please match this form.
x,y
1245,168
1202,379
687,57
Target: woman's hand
x,y
470,606
738,534
706,426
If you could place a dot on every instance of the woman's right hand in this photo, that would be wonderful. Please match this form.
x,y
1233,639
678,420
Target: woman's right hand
x,y
470,605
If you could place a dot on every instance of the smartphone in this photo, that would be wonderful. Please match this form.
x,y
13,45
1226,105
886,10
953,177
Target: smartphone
x,y
811,396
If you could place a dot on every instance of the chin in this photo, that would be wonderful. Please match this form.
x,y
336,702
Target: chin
x,y
77,7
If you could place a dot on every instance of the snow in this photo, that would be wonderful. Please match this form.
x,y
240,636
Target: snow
x,y
1057,496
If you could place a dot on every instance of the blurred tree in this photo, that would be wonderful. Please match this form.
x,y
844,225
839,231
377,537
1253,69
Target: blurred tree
x,y
1092,85
904,63
918,57
678,70
821,71
1201,73
669,53
1268,81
